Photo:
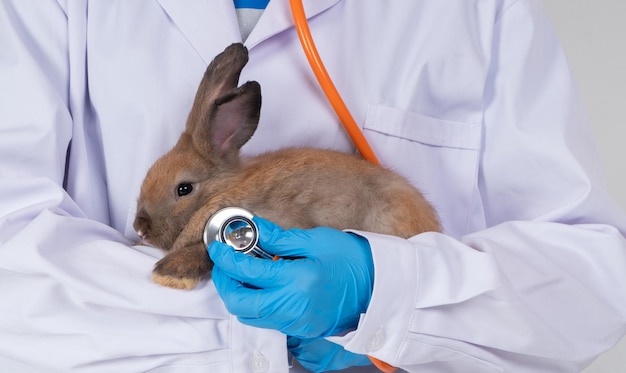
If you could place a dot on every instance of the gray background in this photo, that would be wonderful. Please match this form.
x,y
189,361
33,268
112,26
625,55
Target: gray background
x,y
593,33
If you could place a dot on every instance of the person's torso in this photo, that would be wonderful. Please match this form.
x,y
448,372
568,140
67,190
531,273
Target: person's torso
x,y
412,74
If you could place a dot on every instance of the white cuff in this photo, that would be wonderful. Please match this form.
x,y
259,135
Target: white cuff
x,y
377,334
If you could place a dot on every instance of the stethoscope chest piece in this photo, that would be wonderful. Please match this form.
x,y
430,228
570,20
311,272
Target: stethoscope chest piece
x,y
234,226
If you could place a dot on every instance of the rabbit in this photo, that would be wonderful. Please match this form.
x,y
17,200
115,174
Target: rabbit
x,y
293,187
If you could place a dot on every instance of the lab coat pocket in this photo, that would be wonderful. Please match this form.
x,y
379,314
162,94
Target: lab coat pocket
x,y
439,157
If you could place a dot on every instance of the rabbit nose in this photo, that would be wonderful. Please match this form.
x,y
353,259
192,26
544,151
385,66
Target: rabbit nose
x,y
142,227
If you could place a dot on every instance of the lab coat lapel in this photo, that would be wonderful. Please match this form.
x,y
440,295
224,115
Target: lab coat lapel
x,y
277,18
209,26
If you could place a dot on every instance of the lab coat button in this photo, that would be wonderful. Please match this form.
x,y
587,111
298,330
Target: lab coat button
x,y
259,363
376,340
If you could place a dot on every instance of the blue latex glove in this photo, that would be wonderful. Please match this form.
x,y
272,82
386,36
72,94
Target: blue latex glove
x,y
320,355
321,293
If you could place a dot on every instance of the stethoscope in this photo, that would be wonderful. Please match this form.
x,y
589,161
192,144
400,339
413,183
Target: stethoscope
x,y
234,225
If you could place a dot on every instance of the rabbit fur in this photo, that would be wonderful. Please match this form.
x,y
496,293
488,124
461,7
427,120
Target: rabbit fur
x,y
293,187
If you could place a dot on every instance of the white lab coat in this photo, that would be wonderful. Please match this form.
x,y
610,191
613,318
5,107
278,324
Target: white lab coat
x,y
471,100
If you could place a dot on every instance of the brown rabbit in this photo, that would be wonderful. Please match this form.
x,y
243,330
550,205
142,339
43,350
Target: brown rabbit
x,y
294,187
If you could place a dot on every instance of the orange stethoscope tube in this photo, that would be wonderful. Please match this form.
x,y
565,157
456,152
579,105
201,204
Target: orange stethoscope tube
x,y
304,34
308,46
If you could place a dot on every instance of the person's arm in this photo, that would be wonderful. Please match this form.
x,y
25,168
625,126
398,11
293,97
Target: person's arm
x,y
75,294
542,288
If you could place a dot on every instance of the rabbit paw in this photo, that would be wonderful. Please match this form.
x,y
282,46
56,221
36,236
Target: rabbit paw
x,y
182,269
175,282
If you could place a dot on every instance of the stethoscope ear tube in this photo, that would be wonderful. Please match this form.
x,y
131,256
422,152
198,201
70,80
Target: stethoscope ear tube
x,y
308,46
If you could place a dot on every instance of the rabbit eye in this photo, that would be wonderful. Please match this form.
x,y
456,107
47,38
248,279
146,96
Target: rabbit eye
x,y
184,189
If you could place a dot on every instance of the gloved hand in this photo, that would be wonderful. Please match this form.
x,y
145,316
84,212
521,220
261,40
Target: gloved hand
x,y
320,293
320,355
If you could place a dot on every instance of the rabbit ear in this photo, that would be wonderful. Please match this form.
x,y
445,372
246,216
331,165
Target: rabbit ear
x,y
220,77
232,121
